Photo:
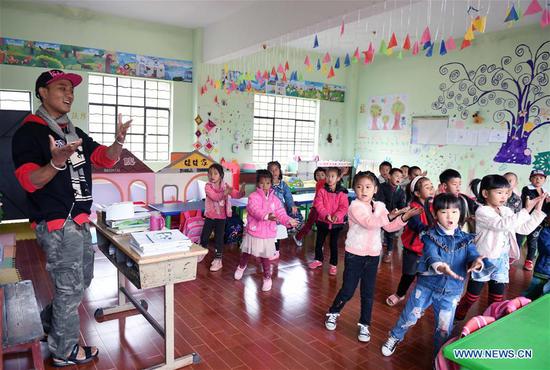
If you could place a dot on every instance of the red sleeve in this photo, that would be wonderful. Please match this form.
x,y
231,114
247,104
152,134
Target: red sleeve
x,y
343,205
319,204
23,174
100,159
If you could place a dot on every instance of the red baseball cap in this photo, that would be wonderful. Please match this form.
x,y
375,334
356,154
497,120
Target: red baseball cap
x,y
53,75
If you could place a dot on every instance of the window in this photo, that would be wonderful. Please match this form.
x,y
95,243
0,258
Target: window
x,y
147,102
283,127
15,100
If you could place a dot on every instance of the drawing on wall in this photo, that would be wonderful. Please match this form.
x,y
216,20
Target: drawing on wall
x,y
518,86
53,55
542,162
307,89
387,112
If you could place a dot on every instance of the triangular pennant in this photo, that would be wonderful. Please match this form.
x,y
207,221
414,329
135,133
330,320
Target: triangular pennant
x,y
233,85
545,19
318,64
407,43
337,64
300,77
347,61
366,60
442,48
265,75
326,58
371,48
309,68
356,54
415,48
307,61
382,49
533,8
389,51
324,68
426,45
276,77
225,68
248,86
469,35
512,15
216,99
393,41
273,72
342,28
280,68
400,55
217,84
465,44
450,43
331,73
284,77
287,66
315,42
479,23
430,50
426,36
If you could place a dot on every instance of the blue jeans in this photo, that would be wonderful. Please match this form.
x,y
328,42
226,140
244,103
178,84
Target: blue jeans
x,y
444,306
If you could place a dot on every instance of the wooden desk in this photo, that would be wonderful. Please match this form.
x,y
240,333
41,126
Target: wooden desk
x,y
150,272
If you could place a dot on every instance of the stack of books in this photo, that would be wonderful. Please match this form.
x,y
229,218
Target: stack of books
x,y
150,243
138,222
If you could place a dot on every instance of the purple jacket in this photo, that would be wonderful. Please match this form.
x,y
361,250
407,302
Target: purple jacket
x,y
258,208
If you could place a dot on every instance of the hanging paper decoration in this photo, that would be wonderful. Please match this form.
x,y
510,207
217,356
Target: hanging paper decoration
x,y
347,61
382,49
198,119
442,48
545,19
217,84
202,90
450,44
369,55
294,76
356,54
389,51
533,8
265,75
300,76
197,145
280,68
209,125
318,64
315,42
225,68
342,28
400,55
209,146
331,73
393,41
426,36
216,99
512,15
324,68
284,77
430,50
415,48
276,77
198,133
287,66
326,58
307,61
233,86
465,44
426,45
479,24
407,43
337,64
469,35
273,72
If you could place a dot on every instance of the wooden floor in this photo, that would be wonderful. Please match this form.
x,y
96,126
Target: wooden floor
x,y
233,325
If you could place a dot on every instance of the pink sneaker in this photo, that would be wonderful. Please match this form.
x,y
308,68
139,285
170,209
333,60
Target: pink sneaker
x,y
266,286
239,272
216,265
528,265
275,256
332,270
313,265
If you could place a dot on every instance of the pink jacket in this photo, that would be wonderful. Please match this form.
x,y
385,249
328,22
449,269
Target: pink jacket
x,y
331,203
363,237
217,205
258,208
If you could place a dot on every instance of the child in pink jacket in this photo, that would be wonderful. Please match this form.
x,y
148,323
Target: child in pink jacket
x,y
363,246
264,209
331,203
217,209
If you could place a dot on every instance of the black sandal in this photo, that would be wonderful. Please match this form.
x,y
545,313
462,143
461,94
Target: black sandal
x,y
73,360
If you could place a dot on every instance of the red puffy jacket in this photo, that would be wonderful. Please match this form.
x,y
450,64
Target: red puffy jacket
x,y
411,233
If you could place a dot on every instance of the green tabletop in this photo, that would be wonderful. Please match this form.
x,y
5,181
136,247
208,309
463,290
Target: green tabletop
x,y
527,328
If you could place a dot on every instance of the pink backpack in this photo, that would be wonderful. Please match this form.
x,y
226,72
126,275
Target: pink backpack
x,y
192,225
499,309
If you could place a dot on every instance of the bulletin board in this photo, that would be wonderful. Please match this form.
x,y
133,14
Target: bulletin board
x,y
430,130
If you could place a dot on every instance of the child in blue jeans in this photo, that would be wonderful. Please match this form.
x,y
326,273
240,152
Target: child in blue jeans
x,y
449,255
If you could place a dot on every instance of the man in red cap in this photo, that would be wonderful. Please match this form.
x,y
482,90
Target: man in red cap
x,y
53,161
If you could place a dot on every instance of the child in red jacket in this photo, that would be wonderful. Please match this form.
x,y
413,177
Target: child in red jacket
x,y
331,203
422,191
320,178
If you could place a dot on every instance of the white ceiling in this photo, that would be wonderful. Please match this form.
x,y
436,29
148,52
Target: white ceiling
x,y
181,13
444,18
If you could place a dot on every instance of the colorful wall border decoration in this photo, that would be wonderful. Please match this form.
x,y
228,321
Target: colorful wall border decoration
x,y
54,55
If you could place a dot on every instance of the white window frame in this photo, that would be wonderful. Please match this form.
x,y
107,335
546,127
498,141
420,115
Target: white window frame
x,y
6,101
291,110
145,105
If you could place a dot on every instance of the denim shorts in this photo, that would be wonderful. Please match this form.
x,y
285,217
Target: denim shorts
x,y
500,273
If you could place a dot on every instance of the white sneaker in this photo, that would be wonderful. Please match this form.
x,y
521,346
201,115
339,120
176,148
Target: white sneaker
x,y
266,286
330,322
388,348
364,334
239,272
297,241
216,265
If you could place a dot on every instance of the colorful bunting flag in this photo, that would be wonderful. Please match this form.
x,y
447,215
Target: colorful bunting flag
x,y
545,19
337,64
389,51
533,8
426,45
442,48
426,36
324,68
315,42
465,44
300,77
280,69
479,23
286,66
326,58
430,50
347,61
284,77
307,61
382,49
273,72
266,75
407,43
415,48
356,54
512,15
342,28
469,35
216,99
318,64
450,43
393,41
331,73
400,55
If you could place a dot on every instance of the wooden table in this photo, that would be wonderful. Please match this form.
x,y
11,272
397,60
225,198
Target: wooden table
x,y
174,209
149,272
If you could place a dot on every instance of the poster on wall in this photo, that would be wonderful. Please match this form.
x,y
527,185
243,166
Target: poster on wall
x,y
387,112
78,58
307,89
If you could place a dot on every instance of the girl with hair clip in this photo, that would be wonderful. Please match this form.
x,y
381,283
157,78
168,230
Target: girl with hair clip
x,y
496,227
422,191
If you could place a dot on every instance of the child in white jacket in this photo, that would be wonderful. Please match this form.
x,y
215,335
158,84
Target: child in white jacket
x,y
496,226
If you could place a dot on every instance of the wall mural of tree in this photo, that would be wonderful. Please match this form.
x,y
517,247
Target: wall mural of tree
x,y
518,87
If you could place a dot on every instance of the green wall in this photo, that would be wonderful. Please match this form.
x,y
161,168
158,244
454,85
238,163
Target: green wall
x,y
418,77
85,28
